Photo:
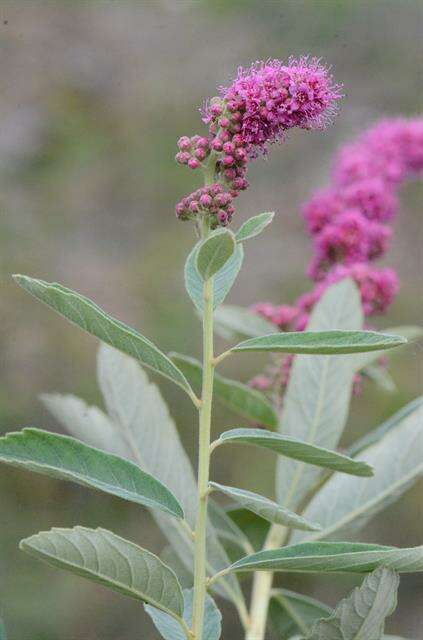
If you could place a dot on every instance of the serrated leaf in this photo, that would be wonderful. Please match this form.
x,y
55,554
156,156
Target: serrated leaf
x,y
68,459
291,612
222,280
214,252
362,614
104,557
170,629
321,342
341,507
377,434
332,557
265,508
142,420
254,226
292,448
238,397
316,401
87,315
231,321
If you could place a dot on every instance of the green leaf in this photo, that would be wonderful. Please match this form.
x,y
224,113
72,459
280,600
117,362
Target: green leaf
x,y
253,526
227,530
87,315
214,252
231,321
170,629
142,421
223,279
296,449
86,423
321,342
265,508
292,612
104,557
380,376
2,631
316,401
362,615
377,434
332,557
172,560
343,506
238,397
68,459
254,226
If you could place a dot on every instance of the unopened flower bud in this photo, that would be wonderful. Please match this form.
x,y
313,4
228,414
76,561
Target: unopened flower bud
x,y
229,147
206,200
193,163
200,153
228,161
182,157
217,144
184,143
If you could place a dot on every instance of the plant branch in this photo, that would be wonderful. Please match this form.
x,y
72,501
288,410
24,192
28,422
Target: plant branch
x,y
200,575
262,587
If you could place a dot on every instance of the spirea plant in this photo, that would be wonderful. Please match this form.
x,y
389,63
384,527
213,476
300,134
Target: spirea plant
x,y
298,411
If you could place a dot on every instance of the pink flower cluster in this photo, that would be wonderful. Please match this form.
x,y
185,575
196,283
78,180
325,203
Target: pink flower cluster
x,y
257,109
349,221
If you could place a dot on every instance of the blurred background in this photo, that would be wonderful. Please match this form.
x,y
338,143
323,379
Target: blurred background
x,y
94,96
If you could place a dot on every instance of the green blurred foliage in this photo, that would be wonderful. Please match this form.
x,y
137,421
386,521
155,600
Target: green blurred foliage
x,y
93,98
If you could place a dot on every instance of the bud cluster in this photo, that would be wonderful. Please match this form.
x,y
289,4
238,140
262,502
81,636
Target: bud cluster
x,y
212,201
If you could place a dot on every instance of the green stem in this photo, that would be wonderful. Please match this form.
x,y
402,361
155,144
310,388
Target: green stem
x,y
262,588
200,574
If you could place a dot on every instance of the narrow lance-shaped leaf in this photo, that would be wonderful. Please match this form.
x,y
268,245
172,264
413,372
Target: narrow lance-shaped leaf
x,y
291,612
222,280
104,557
265,508
296,449
321,342
68,459
231,321
87,315
342,506
171,629
214,252
254,226
362,614
238,397
332,557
